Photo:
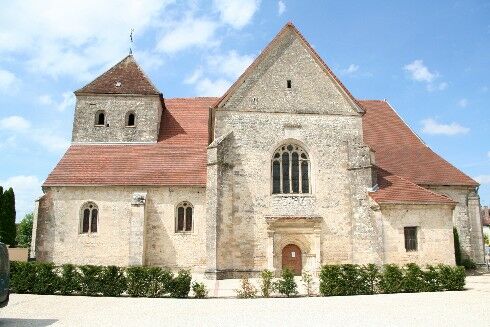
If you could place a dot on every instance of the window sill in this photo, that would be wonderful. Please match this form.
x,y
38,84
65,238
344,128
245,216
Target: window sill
x,y
184,233
87,234
130,126
99,125
290,195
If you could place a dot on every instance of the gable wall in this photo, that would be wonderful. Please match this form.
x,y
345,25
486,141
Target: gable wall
x,y
312,90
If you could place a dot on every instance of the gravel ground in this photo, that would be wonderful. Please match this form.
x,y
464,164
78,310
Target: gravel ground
x,y
467,308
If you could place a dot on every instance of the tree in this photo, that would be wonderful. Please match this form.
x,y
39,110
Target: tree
x,y
486,240
8,228
24,231
457,248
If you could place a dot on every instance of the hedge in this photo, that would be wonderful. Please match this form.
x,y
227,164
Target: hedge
x,y
351,279
46,278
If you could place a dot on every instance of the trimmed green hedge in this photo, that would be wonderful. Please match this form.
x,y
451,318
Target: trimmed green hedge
x,y
370,279
46,278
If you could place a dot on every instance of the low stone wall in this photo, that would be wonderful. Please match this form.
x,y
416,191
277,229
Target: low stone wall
x,y
18,254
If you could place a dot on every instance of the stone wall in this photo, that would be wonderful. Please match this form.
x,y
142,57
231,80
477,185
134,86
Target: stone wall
x,y
58,227
262,115
148,111
466,219
435,234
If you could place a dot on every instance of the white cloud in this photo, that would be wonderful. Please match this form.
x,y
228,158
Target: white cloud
x,y
231,64
207,87
8,81
463,103
236,13
281,7
67,101
9,142
483,179
188,33
45,100
192,79
419,72
431,126
488,154
26,189
14,123
44,137
353,68
73,38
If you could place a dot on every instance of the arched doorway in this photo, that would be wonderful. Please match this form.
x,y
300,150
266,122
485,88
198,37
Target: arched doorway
x,y
291,259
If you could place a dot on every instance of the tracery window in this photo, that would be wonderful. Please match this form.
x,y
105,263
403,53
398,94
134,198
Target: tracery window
x,y
290,170
89,218
183,221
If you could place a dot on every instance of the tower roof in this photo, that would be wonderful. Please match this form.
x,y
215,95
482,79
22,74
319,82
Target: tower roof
x,y
125,77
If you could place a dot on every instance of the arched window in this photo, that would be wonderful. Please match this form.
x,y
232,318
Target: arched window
x,y
290,170
100,118
89,218
130,119
183,221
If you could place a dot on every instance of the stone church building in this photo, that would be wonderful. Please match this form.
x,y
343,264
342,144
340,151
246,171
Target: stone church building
x,y
286,169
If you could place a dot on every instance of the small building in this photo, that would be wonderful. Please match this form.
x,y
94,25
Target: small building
x,y
286,169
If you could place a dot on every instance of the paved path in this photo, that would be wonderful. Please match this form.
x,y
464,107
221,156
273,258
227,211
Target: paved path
x,y
468,308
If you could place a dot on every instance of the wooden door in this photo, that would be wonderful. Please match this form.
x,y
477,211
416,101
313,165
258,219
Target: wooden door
x,y
291,259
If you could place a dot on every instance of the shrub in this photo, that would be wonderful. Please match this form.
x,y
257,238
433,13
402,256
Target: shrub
x,y
370,276
286,284
181,284
349,279
391,279
89,280
414,279
200,290
266,285
452,278
137,281
22,277
329,280
307,280
247,290
148,281
468,264
432,279
68,281
159,281
46,280
112,281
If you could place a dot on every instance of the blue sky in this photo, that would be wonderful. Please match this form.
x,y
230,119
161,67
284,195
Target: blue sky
x,y
429,59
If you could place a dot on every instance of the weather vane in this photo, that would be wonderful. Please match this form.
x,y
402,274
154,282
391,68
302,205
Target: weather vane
x,y
131,41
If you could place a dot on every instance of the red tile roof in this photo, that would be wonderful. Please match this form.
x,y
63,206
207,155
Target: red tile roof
x,y
125,77
395,189
399,151
178,158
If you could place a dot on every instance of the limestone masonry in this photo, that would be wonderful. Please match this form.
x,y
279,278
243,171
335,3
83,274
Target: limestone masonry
x,y
286,170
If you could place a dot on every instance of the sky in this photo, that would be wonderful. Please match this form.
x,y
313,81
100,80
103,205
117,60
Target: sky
x,y
429,59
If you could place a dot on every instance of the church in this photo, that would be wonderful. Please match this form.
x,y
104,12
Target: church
x,y
286,170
